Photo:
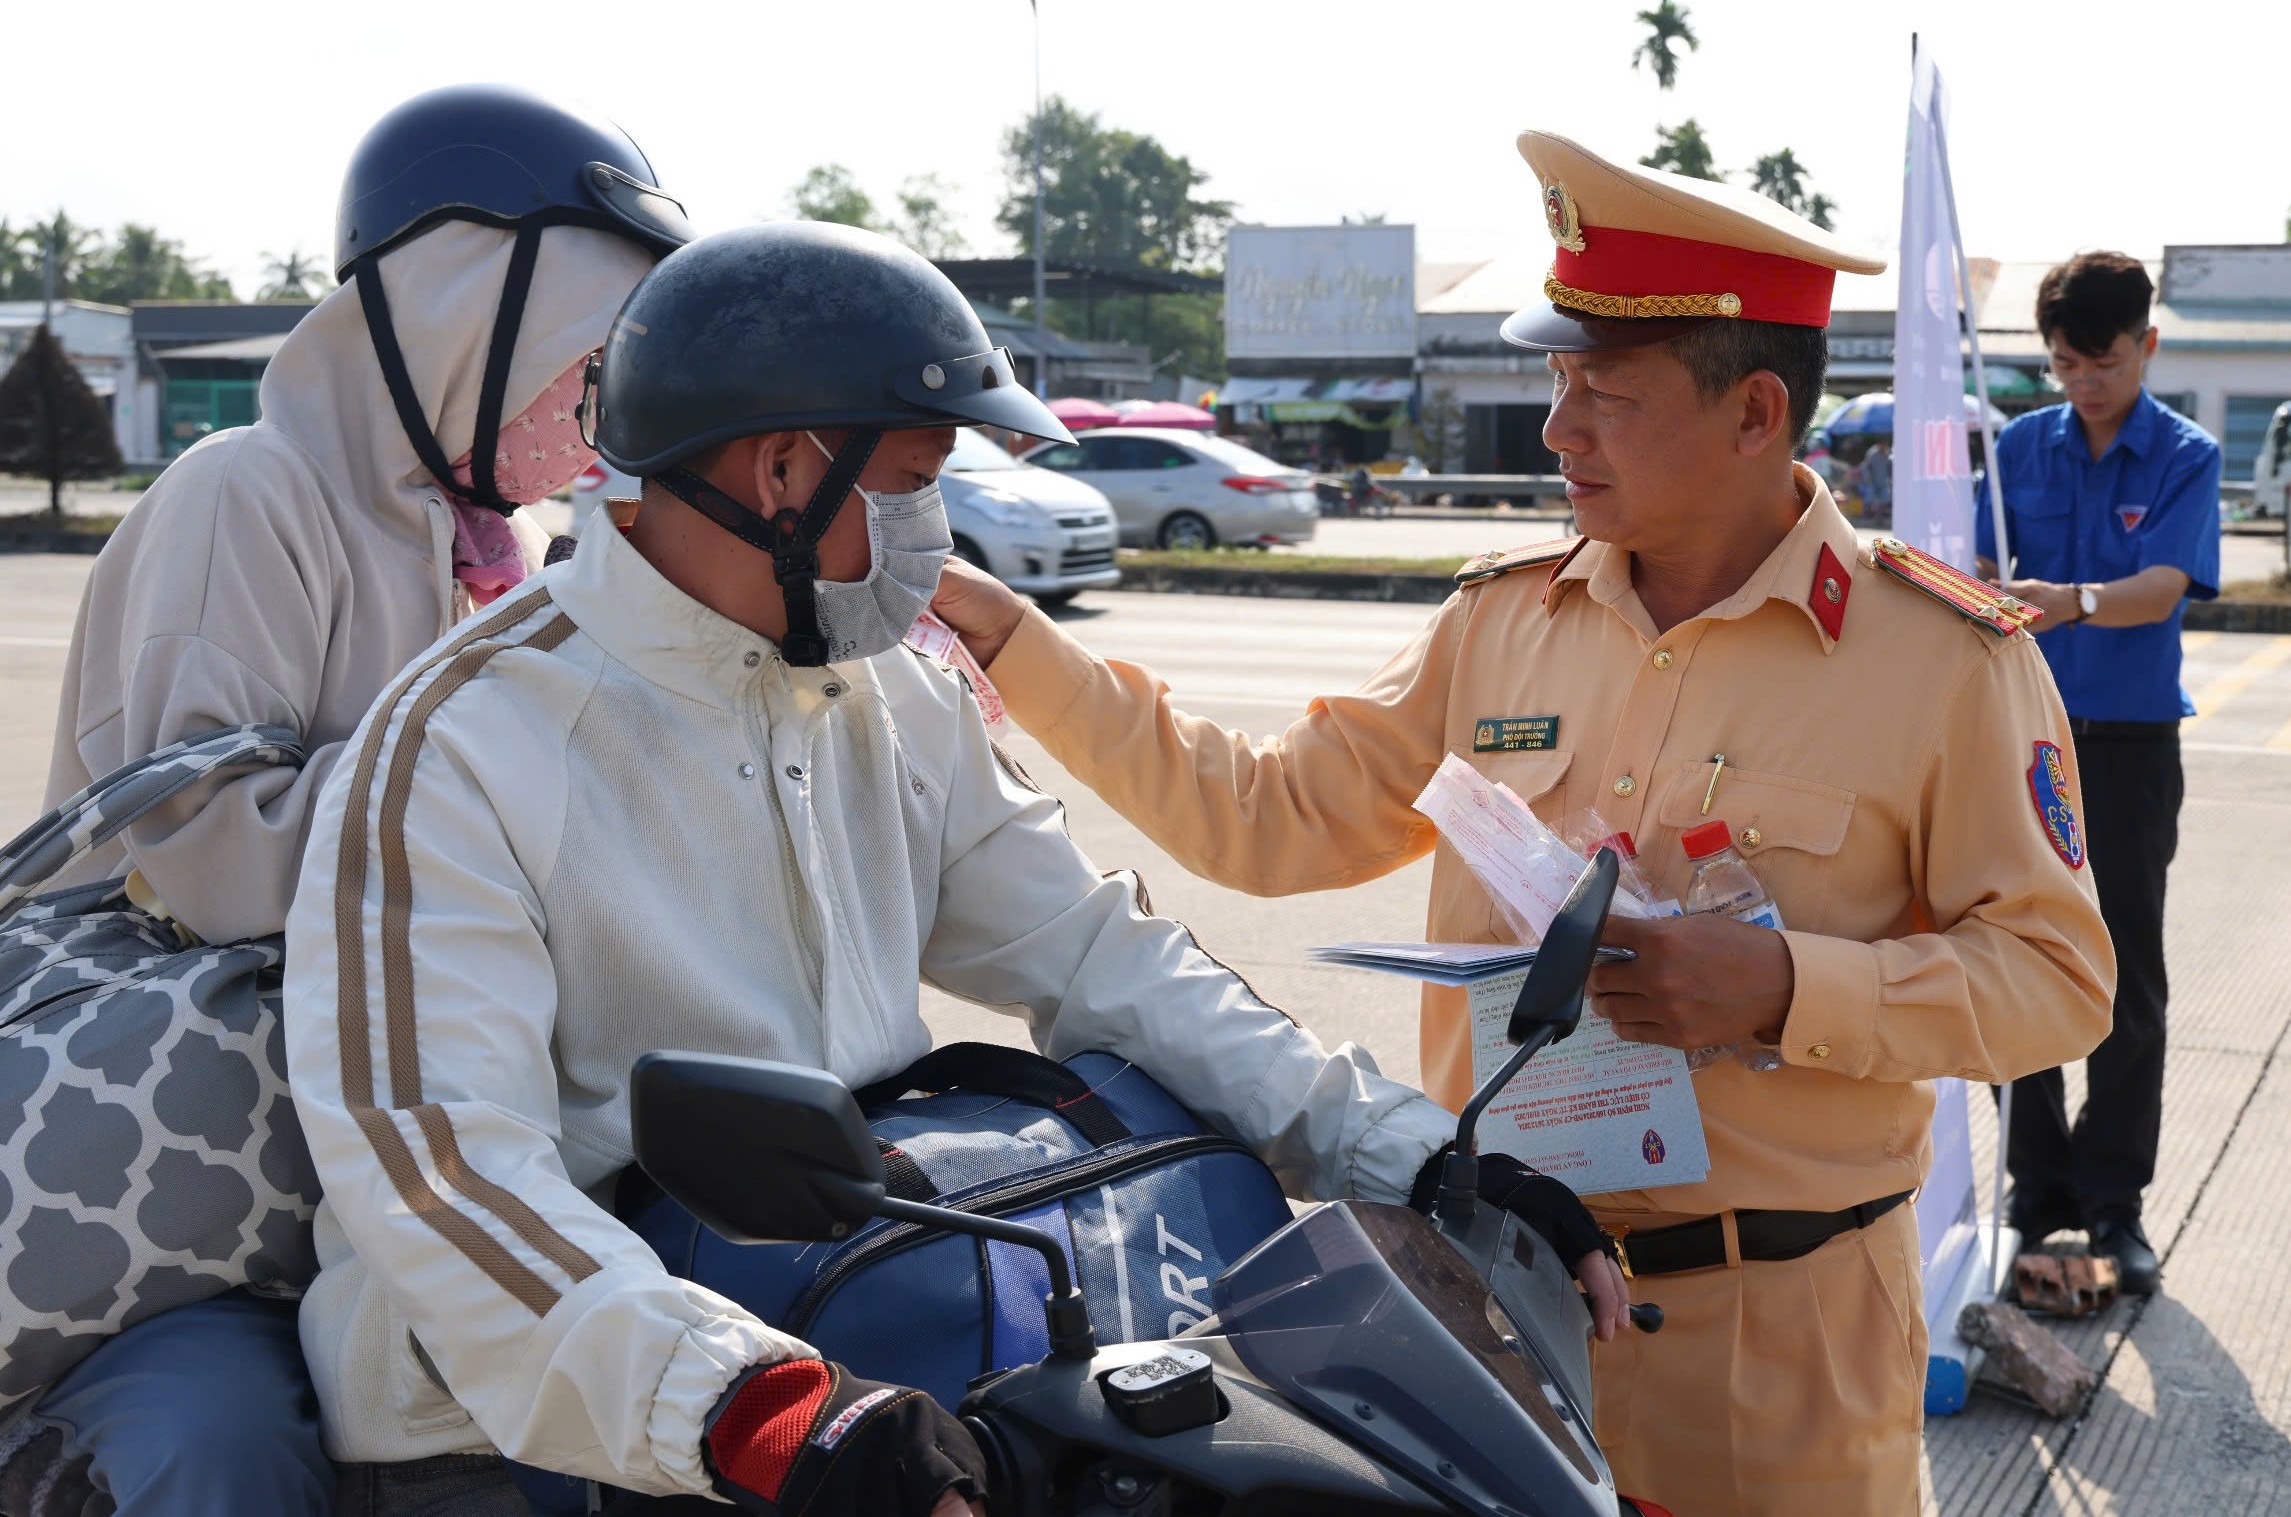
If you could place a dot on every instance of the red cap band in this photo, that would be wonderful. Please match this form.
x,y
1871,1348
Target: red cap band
x,y
1772,287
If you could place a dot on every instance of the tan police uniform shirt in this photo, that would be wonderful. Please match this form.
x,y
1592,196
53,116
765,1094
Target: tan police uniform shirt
x,y
1879,747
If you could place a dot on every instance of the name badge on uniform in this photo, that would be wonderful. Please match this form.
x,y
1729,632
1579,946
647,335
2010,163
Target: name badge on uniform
x,y
1514,734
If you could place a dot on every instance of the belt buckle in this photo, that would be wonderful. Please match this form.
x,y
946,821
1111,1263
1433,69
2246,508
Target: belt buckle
x,y
1622,1252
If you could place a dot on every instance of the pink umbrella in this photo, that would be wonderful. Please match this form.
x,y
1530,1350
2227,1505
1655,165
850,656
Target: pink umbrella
x,y
1171,413
1080,415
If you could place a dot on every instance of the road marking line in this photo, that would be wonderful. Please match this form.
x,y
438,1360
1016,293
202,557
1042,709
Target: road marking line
x,y
2226,687
2273,749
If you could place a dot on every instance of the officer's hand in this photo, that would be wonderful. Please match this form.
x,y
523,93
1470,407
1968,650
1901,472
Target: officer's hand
x,y
803,1438
982,609
1698,982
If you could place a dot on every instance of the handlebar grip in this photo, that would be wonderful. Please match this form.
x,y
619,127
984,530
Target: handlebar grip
x,y
1647,1317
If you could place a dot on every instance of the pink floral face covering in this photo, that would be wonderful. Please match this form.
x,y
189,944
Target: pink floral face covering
x,y
538,453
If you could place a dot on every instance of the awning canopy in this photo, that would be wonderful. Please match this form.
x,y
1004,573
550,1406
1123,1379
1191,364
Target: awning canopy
x,y
1250,390
244,349
1385,390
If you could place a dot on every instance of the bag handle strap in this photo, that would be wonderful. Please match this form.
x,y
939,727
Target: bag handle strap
x,y
106,808
1015,1073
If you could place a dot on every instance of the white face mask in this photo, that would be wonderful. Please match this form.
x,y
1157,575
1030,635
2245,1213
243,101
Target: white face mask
x,y
908,539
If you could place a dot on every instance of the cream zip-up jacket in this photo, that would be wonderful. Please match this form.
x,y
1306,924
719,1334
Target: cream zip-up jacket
x,y
601,819
283,572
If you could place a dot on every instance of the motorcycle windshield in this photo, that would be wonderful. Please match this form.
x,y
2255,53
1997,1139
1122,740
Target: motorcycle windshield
x,y
1364,1316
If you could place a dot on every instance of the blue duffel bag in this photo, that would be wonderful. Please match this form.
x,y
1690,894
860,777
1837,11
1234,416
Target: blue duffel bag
x,y
1150,1205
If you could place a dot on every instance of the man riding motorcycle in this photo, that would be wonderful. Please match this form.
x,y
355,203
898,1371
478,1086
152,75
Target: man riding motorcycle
x,y
281,574
688,790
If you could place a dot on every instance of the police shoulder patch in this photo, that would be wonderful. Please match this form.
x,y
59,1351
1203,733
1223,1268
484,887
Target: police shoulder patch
x,y
1977,601
2048,788
1505,561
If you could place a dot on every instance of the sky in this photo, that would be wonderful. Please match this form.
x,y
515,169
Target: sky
x,y
2075,123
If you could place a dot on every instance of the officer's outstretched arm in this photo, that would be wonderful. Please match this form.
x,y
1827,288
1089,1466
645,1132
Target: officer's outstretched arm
x,y
2020,974
1024,920
1323,805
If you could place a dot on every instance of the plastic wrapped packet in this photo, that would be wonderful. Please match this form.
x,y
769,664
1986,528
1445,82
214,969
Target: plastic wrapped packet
x,y
1525,867
934,639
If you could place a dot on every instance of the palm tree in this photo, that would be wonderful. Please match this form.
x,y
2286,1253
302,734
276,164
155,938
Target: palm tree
x,y
1666,24
1682,149
1821,211
297,276
1781,178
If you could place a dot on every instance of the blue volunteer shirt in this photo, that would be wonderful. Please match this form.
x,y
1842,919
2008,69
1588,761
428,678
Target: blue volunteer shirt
x,y
2152,498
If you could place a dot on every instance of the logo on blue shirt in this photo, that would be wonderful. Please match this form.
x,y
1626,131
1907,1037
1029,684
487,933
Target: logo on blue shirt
x,y
2131,516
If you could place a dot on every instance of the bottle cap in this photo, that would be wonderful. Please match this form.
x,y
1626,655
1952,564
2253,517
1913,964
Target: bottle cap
x,y
1625,849
1711,837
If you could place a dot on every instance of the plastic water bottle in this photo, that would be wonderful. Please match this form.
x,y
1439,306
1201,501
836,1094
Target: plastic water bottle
x,y
1725,885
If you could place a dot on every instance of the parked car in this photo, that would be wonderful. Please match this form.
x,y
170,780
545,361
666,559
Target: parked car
x,y
1173,489
1043,533
1037,531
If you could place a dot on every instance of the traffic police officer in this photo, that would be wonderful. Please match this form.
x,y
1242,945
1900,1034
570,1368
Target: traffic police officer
x,y
1879,733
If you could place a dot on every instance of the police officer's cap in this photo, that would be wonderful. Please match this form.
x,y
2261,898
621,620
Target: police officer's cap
x,y
789,325
503,157
1644,255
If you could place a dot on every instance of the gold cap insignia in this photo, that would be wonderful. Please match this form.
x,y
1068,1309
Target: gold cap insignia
x,y
1560,215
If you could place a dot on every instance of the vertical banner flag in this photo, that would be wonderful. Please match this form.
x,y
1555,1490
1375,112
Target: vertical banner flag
x,y
1933,509
1932,467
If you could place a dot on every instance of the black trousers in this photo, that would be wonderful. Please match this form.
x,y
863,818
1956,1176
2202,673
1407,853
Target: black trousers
x,y
2098,1165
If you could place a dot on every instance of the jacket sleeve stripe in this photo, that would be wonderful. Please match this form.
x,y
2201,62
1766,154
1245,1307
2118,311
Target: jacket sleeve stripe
x,y
463,659
483,1249
350,864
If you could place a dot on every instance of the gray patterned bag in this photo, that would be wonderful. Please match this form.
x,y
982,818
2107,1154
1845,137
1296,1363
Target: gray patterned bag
x,y
149,1153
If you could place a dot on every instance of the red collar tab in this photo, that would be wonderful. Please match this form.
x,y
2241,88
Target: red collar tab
x,y
1622,265
1827,599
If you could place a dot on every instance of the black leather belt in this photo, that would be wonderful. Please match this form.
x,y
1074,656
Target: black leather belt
x,y
1764,1235
2082,727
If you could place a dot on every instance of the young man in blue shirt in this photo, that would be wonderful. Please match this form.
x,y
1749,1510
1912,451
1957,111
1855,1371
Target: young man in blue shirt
x,y
2112,503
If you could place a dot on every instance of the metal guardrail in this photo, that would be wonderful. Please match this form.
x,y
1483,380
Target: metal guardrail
x,y
1418,487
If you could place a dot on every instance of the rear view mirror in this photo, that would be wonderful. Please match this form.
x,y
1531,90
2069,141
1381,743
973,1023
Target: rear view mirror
x,y
759,1152
1553,994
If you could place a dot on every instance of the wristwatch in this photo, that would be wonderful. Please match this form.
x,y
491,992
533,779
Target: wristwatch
x,y
2087,601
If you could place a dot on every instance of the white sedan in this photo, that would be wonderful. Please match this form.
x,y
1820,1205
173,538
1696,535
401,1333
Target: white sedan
x,y
1176,489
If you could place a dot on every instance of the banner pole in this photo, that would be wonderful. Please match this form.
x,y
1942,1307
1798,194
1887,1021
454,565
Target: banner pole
x,y
1980,374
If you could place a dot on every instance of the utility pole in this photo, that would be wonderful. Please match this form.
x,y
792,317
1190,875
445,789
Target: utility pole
x,y
1041,281
50,427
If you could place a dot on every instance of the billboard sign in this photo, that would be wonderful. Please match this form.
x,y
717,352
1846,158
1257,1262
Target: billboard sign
x,y
1320,292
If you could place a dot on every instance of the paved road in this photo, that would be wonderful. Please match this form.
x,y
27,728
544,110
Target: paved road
x,y
2241,557
2195,1413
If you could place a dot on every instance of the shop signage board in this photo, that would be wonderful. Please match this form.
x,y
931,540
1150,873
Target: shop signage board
x,y
1320,292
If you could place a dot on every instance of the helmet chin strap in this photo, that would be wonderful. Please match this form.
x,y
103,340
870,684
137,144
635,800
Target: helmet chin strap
x,y
508,317
791,538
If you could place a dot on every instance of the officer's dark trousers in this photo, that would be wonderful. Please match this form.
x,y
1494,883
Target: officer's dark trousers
x,y
2099,1165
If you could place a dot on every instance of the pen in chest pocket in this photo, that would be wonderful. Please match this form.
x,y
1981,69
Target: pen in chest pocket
x,y
1710,792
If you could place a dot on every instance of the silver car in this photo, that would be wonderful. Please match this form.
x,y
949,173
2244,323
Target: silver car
x,y
1174,489
1034,530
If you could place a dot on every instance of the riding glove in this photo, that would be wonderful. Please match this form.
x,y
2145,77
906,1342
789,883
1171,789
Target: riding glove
x,y
806,1437
1543,1203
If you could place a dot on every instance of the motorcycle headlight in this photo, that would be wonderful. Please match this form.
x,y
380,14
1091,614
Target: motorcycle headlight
x,y
1005,509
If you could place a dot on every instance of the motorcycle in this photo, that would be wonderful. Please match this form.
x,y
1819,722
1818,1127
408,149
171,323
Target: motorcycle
x,y
1364,1359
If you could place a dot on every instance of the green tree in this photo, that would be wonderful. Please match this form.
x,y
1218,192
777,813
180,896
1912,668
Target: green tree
x,y
1120,199
296,276
139,264
1781,178
1109,196
925,223
1682,149
23,256
51,424
1666,26
831,193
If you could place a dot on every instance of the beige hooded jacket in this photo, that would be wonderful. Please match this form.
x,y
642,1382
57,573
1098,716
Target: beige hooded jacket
x,y
283,572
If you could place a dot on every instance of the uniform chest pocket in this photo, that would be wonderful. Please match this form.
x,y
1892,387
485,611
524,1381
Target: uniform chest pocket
x,y
1536,778
1770,814
2041,518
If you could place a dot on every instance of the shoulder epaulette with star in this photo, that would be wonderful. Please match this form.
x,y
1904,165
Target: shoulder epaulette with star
x,y
1504,561
1976,600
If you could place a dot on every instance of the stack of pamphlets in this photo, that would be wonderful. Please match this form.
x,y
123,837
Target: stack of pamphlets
x,y
1440,963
